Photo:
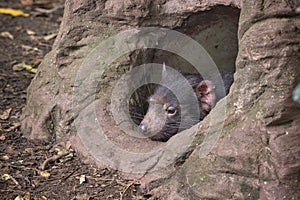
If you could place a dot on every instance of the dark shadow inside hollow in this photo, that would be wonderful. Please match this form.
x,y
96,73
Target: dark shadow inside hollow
x,y
215,30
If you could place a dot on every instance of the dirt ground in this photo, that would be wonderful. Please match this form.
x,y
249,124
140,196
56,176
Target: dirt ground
x,y
32,169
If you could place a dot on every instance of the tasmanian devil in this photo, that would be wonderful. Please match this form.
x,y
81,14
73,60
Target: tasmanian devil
x,y
164,117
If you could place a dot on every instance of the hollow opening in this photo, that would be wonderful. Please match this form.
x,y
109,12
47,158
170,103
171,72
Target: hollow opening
x,y
215,30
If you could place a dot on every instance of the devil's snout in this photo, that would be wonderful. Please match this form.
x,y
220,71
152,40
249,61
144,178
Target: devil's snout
x,y
143,128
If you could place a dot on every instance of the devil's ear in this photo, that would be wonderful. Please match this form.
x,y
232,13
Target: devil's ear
x,y
205,92
167,75
164,73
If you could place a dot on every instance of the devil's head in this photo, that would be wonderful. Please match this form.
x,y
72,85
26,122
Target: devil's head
x,y
164,116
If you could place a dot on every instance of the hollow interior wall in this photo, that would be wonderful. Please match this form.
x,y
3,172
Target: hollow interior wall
x,y
216,31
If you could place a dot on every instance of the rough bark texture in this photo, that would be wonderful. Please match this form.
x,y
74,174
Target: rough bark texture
x,y
257,156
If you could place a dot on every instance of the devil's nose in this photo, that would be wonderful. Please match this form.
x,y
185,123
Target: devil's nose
x,y
143,128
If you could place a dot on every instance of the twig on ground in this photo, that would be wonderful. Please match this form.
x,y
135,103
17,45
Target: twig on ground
x,y
7,177
127,187
53,158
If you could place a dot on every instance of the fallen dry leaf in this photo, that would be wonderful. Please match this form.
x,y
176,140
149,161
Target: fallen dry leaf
x,y
6,177
5,157
5,114
18,28
30,32
2,137
66,158
82,179
44,198
27,196
7,34
44,174
29,150
13,12
29,68
18,67
50,37
14,126
26,47
19,197
27,2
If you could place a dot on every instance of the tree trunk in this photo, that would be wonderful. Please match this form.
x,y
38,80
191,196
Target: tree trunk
x,y
251,151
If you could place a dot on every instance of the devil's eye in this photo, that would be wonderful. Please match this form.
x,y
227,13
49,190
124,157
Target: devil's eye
x,y
171,110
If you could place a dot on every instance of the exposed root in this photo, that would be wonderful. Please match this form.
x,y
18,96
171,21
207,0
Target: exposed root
x,y
53,158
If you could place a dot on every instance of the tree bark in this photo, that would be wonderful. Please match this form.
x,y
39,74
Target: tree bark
x,y
256,156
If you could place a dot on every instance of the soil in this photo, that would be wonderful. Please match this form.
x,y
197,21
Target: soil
x,y
23,171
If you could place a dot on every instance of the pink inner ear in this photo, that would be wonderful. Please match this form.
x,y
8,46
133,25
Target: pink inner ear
x,y
206,95
205,87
